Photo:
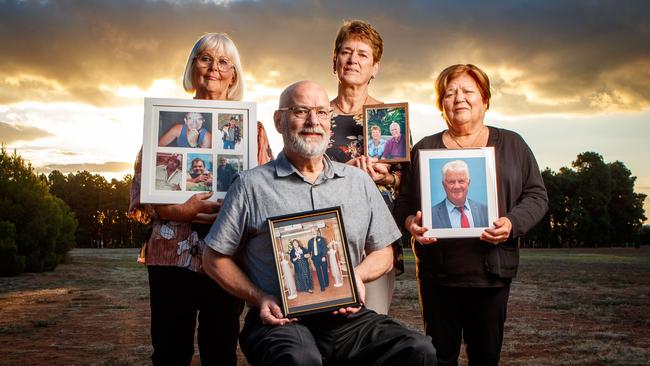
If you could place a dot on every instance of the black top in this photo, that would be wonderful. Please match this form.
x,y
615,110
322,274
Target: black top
x,y
522,198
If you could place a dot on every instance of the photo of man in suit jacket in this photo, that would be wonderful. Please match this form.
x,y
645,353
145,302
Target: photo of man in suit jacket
x,y
456,210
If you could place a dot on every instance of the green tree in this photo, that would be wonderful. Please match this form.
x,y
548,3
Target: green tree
x,y
593,204
11,262
645,235
625,207
36,227
101,208
86,194
383,118
558,228
593,191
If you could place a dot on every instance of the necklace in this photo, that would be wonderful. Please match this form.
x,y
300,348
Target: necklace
x,y
336,103
470,145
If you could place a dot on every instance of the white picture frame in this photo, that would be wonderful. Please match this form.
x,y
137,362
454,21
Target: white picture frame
x,y
437,210
178,131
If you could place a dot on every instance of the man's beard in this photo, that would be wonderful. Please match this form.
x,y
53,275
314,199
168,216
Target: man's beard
x,y
294,142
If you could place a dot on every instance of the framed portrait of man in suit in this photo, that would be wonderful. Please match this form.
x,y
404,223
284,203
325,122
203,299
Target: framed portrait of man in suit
x,y
459,192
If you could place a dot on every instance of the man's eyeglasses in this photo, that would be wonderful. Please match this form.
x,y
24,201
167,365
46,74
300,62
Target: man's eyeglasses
x,y
303,112
222,63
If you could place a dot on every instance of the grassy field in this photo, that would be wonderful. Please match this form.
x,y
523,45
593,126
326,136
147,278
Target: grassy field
x,y
567,307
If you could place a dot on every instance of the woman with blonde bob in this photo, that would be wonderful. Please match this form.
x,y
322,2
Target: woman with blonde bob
x,y
464,283
180,292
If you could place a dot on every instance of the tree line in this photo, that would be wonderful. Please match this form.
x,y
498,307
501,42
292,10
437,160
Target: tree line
x,y
591,204
100,207
37,228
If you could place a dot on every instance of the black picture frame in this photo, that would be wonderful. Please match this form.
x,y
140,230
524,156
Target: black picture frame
x,y
291,258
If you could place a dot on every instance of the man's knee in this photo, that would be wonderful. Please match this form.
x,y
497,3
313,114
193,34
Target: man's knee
x,y
303,357
418,350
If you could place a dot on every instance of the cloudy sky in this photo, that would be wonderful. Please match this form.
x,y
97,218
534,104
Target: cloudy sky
x,y
569,76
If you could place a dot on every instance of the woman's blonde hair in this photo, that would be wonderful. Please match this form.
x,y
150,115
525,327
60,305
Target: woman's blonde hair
x,y
218,41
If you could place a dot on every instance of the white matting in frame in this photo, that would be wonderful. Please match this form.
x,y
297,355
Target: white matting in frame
x,y
440,197
183,140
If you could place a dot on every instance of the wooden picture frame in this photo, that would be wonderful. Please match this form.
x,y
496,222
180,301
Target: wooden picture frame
x,y
305,245
183,142
379,139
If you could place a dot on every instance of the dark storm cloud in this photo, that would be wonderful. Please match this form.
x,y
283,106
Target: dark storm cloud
x,y
11,133
542,56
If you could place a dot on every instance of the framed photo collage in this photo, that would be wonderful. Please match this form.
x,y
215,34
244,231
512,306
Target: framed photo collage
x,y
195,146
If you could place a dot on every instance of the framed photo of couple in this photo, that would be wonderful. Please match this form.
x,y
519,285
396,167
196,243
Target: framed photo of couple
x,y
192,146
313,262
386,132
459,191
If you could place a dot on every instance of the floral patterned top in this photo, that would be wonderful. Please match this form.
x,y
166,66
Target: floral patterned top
x,y
346,142
174,243
346,138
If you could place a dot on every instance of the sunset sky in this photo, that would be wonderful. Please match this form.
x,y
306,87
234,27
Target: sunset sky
x,y
569,76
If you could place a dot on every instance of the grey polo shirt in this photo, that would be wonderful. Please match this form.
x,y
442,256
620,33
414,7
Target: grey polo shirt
x,y
277,188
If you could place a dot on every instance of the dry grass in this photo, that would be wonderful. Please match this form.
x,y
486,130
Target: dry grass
x,y
567,307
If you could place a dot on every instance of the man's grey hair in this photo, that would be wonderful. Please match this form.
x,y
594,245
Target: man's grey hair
x,y
456,166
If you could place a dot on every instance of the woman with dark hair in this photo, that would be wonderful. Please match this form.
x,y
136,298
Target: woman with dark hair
x,y
180,292
300,258
465,282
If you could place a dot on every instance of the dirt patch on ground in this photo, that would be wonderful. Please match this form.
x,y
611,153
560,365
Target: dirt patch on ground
x,y
578,307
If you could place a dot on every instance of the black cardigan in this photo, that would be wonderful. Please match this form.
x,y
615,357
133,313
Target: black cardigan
x,y
522,198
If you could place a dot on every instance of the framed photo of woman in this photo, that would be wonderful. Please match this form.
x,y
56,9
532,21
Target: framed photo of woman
x,y
386,132
459,191
313,262
185,142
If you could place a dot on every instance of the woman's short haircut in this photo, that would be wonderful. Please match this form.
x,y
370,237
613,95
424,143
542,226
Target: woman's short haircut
x,y
454,71
363,31
375,128
217,41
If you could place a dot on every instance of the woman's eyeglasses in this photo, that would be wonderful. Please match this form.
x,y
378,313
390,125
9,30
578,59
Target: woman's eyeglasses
x,y
222,63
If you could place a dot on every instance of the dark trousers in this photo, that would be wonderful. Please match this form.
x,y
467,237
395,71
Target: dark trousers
x,y
177,295
364,338
476,315
322,272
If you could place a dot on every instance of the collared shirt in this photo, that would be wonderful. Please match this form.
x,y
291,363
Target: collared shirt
x,y
454,214
277,188
231,134
395,148
225,174
376,151
171,183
